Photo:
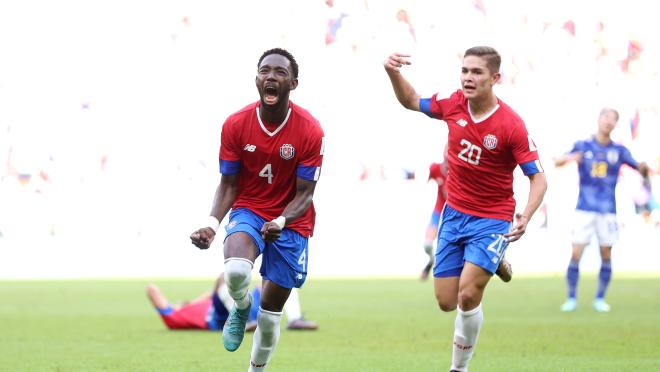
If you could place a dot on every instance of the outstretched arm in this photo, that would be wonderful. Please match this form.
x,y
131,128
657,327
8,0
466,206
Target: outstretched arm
x,y
225,194
405,93
271,230
537,187
562,160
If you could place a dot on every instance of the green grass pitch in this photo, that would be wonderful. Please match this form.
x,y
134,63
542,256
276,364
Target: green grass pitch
x,y
365,325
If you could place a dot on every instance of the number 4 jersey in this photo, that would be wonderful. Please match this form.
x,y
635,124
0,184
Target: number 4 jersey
x,y
269,157
482,155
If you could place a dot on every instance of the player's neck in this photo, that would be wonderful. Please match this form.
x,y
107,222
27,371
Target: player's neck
x,y
603,139
274,115
480,106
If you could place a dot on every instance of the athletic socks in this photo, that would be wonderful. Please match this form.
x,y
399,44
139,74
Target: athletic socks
x,y
604,277
466,331
572,276
265,339
238,273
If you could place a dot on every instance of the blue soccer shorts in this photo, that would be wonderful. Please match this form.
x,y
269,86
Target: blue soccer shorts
x,y
463,237
284,261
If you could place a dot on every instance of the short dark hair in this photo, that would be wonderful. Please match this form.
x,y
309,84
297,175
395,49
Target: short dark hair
x,y
283,53
493,59
605,110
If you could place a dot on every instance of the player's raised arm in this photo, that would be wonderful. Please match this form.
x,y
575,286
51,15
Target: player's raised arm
x,y
225,194
405,93
271,230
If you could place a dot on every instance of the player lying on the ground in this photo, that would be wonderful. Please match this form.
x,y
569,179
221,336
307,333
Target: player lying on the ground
x,y
209,310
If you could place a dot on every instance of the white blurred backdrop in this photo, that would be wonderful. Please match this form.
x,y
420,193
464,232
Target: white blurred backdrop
x,y
110,118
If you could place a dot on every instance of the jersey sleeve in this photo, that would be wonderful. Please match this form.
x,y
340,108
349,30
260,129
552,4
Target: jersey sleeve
x,y
577,147
627,158
524,150
437,107
309,165
230,159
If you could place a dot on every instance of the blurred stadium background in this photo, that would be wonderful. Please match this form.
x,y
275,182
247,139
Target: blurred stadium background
x,y
110,118
110,115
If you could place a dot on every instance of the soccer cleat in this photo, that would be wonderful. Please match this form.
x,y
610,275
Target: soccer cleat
x,y
504,271
302,324
569,306
234,329
601,306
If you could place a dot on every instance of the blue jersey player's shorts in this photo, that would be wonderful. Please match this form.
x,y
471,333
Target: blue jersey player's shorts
x,y
463,237
284,261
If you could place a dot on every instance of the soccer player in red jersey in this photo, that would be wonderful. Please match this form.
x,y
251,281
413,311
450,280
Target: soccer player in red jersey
x,y
270,159
437,173
487,140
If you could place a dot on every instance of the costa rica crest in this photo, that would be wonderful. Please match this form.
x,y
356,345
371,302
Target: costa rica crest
x,y
490,142
287,151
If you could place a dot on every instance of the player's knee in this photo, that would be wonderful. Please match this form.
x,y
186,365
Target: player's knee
x,y
268,323
445,304
447,307
238,273
468,298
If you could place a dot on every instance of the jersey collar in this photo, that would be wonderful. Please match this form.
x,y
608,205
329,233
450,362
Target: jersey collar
x,y
263,127
485,116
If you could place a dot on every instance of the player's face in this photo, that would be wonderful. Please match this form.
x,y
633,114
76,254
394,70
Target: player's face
x,y
476,79
607,122
275,80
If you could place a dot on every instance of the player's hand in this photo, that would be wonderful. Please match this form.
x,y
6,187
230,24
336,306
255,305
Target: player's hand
x,y
518,229
271,231
395,61
203,237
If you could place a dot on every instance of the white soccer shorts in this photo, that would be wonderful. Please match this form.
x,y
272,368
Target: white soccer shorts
x,y
604,225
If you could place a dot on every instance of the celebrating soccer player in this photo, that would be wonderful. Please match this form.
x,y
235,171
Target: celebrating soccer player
x,y
270,159
487,140
599,161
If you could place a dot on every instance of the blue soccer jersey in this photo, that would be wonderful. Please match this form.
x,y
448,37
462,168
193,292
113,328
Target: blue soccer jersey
x,y
599,172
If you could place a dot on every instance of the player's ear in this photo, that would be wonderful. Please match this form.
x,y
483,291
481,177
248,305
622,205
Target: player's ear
x,y
495,78
294,83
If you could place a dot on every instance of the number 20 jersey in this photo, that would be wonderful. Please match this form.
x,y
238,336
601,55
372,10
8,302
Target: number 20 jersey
x,y
269,158
482,155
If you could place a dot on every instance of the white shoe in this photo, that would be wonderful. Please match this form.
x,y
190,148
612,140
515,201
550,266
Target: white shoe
x,y
601,306
569,306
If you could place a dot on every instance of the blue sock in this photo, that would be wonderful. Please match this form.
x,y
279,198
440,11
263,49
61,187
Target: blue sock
x,y
604,277
572,276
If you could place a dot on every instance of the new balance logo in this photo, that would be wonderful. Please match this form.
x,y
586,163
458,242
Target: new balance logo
x,y
461,122
250,148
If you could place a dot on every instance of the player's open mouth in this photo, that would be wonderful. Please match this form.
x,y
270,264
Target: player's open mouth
x,y
271,95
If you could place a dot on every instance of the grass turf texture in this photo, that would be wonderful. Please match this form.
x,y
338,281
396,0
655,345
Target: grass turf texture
x,y
365,325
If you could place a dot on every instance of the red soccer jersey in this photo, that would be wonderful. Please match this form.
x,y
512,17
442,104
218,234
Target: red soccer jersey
x,y
482,155
437,173
269,158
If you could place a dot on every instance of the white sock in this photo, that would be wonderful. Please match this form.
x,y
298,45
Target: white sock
x,y
225,297
238,273
467,326
265,339
292,306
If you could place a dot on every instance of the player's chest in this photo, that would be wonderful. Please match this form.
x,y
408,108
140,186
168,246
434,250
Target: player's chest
x,y
600,163
282,147
473,142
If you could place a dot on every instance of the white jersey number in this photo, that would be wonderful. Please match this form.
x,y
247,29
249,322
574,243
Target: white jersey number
x,y
268,173
471,153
